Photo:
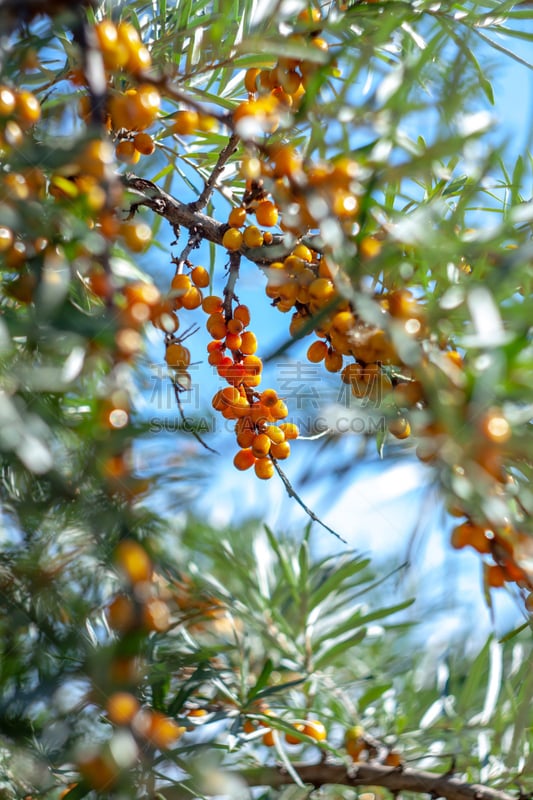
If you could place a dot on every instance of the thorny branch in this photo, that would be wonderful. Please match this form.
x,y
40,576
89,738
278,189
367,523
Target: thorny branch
x,y
396,779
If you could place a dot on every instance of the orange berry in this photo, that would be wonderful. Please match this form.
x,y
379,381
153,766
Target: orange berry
x,y
28,109
268,738
177,355
266,213
252,236
280,451
232,239
244,459
250,79
237,217
121,614
121,708
290,430
317,352
233,341
161,730
269,398
137,235
156,615
133,560
261,445
315,729
144,143
180,284
212,304
495,576
290,739
279,410
399,427
185,122
192,298
7,101
275,434
242,313
200,277
248,343
126,151
264,468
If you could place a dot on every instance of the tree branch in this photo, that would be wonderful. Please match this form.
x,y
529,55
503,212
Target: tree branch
x,y
393,778
182,214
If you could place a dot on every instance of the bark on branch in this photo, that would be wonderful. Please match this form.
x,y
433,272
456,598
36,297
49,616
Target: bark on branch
x,y
393,778
180,214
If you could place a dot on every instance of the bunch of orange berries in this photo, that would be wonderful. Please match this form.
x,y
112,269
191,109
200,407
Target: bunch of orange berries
x,y
257,414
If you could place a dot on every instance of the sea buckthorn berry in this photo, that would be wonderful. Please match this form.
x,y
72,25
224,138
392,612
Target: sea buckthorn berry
x,y
192,299
266,214
269,398
250,79
261,445
121,708
252,236
343,321
248,343
126,151
216,326
161,730
333,361
7,101
6,238
185,122
399,427
290,430
144,143
264,468
121,614
280,451
279,410
137,235
244,459
28,109
180,284
177,355
290,738
232,239
268,738
317,351
310,15
233,341
245,437
212,304
234,326
133,560
237,217
242,313
315,729
322,290
470,534
200,277
275,434
495,576
369,247
253,365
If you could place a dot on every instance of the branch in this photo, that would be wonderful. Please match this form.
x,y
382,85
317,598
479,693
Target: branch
x,y
210,184
393,778
177,213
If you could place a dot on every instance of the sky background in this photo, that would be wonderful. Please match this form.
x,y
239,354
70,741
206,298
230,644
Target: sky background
x,y
388,508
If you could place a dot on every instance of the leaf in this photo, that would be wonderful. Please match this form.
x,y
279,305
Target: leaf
x,y
331,654
262,680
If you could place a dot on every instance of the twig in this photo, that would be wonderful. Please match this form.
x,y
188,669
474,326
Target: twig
x,y
229,288
291,491
210,184
182,415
